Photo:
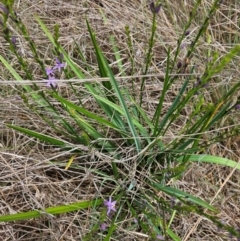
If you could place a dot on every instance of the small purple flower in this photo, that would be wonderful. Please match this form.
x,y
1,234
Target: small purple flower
x,y
51,81
110,205
59,65
160,237
199,81
49,71
4,9
179,65
187,33
155,9
200,84
237,106
103,226
183,45
210,59
173,202
14,40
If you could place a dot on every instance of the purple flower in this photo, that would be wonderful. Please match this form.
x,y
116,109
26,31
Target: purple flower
x,y
237,106
179,65
110,205
51,81
59,65
200,84
14,40
173,202
49,72
4,9
160,237
155,9
183,45
103,226
210,59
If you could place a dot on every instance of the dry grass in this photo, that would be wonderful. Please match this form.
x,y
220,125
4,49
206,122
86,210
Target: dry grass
x,y
32,174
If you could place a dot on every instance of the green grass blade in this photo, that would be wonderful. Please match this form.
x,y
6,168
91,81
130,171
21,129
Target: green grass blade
x,y
37,135
223,62
180,194
87,113
79,51
113,81
70,63
16,76
176,105
13,72
115,47
102,66
173,235
143,114
117,56
50,211
104,72
88,128
121,111
160,103
214,160
80,75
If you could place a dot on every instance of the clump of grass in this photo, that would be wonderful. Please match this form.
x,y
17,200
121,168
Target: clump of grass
x,y
145,162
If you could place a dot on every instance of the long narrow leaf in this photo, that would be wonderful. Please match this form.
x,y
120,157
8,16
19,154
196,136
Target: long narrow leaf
x,y
173,235
93,90
214,160
39,136
180,194
121,111
50,211
87,113
70,63
117,90
90,130
28,89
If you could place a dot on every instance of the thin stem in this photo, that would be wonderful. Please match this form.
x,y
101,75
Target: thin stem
x,y
149,56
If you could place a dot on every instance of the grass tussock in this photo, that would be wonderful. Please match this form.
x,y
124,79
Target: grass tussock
x,y
36,175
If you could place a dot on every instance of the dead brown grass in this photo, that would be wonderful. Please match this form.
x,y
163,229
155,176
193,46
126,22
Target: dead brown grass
x,y
32,174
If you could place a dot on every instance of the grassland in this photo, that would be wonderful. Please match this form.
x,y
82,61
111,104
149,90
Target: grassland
x,y
33,174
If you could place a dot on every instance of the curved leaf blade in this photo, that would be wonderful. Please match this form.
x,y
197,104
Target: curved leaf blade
x,y
39,136
104,65
180,194
214,160
50,211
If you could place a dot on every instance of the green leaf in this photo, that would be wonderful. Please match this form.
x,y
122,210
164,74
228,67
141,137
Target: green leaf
x,y
115,47
87,113
121,111
70,63
114,84
36,97
214,160
180,194
173,235
51,211
13,72
39,136
223,62
90,130
93,90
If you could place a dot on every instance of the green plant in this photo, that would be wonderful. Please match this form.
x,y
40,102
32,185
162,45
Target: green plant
x,y
153,161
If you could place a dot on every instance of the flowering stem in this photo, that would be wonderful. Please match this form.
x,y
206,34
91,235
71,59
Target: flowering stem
x,y
149,56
